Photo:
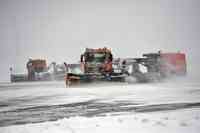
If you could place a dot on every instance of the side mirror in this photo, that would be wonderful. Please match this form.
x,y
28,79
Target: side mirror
x,y
82,58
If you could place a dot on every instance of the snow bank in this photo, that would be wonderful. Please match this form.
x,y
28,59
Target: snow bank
x,y
180,121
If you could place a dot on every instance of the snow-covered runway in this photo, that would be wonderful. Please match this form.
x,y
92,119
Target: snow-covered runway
x,y
173,106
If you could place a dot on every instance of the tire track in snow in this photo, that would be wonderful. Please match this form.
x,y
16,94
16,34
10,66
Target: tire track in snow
x,y
89,108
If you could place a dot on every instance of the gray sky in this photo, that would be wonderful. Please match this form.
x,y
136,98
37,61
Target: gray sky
x,y
59,30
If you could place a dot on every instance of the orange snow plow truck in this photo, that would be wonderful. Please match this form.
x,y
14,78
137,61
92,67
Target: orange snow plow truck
x,y
37,70
34,67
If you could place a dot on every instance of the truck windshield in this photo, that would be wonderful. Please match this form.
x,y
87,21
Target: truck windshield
x,y
96,57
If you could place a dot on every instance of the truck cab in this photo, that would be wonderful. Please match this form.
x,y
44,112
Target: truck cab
x,y
97,61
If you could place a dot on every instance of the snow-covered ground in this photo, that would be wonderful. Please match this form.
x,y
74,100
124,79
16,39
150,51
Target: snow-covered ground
x,y
184,121
171,106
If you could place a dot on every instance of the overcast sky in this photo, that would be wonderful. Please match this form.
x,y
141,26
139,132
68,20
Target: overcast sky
x,y
59,30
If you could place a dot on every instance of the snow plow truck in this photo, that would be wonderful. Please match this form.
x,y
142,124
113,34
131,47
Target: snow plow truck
x,y
99,65
37,70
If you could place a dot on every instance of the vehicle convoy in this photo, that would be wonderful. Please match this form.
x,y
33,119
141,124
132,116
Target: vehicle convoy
x,y
37,70
99,65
